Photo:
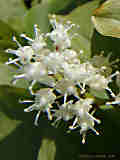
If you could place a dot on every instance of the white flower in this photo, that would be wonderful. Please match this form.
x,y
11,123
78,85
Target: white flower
x,y
60,35
43,102
65,112
54,61
79,73
97,82
66,87
70,56
32,71
24,54
84,119
35,72
66,77
38,43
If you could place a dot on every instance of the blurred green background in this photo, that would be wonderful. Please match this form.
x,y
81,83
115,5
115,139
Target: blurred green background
x,y
19,138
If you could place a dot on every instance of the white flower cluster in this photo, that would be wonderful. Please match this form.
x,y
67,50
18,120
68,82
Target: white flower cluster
x,y
64,76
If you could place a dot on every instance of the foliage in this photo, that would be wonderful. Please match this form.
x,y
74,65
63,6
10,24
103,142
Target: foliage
x,y
98,36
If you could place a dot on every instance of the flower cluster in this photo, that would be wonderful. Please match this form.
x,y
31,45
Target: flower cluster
x,y
67,80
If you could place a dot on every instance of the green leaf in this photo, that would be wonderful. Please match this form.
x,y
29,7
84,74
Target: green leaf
x,y
47,150
37,15
20,139
6,74
12,13
9,102
6,31
7,125
11,8
11,130
106,18
56,6
5,44
11,112
16,23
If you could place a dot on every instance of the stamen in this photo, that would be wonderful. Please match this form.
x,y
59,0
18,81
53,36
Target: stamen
x,y
65,97
31,86
111,93
59,118
49,114
29,109
11,51
74,123
93,118
15,40
36,31
36,118
96,132
69,27
17,77
27,38
25,101
53,21
112,103
83,138
12,61
114,74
